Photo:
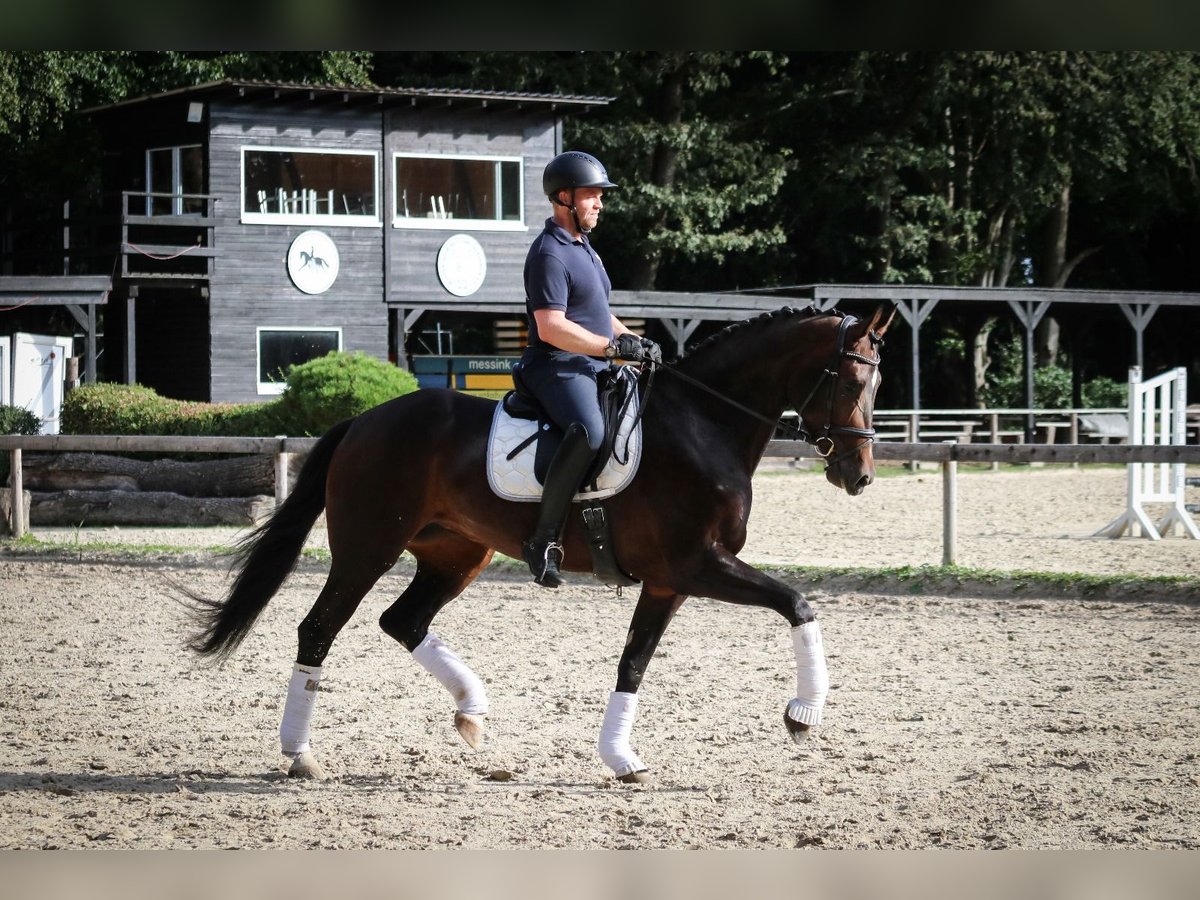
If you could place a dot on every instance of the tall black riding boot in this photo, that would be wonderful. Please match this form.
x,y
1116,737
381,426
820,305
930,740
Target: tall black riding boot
x,y
542,551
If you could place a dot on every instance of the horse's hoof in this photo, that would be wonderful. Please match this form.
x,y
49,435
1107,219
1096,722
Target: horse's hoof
x,y
642,776
470,727
799,731
305,766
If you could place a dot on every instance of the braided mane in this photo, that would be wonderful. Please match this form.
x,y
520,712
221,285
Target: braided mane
x,y
764,320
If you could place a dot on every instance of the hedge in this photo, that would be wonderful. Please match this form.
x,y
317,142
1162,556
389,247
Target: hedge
x,y
317,394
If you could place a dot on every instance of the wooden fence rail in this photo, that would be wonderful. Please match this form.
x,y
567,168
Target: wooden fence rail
x,y
948,454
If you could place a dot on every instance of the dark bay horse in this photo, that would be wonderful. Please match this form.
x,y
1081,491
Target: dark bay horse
x,y
410,475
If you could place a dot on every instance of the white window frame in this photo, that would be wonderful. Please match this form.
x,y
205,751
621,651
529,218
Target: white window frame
x,y
176,187
250,217
266,388
438,224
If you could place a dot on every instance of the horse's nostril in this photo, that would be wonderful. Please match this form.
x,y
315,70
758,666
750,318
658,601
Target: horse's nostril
x,y
863,482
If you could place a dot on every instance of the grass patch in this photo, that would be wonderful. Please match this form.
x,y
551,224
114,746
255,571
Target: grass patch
x,y
928,579
33,545
932,578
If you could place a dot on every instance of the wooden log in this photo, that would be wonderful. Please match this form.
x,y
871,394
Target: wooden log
x,y
242,476
86,508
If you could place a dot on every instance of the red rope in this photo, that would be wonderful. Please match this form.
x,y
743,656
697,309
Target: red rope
x,y
138,249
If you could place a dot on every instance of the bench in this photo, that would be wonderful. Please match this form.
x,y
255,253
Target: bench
x,y
1105,427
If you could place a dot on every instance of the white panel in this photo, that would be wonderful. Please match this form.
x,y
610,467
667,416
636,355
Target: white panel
x,y
5,371
39,367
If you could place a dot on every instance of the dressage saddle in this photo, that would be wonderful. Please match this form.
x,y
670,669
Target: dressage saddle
x,y
618,388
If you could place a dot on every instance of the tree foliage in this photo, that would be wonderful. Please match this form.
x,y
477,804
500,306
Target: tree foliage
x,y
747,169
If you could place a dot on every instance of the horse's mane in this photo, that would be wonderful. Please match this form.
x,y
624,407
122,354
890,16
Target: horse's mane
x,y
759,322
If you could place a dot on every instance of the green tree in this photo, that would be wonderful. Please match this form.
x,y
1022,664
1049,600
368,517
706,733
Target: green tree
x,y
953,166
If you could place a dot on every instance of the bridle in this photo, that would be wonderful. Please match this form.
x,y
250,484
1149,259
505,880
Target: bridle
x,y
822,442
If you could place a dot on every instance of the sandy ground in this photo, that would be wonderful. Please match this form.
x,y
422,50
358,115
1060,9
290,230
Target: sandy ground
x,y
955,720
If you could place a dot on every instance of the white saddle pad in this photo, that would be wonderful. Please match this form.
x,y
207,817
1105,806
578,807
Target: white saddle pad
x,y
513,479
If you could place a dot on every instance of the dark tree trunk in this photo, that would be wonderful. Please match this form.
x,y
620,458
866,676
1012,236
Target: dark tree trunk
x,y
662,167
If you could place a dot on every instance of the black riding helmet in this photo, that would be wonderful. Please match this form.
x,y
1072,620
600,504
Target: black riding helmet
x,y
573,169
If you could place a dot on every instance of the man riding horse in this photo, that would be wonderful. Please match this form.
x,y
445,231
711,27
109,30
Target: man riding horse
x,y
573,336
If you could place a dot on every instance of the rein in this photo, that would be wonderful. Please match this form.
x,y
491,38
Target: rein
x,y
822,442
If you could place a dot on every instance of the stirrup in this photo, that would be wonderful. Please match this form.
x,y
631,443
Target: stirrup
x,y
544,567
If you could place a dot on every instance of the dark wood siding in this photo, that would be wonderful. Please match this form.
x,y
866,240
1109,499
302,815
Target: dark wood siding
x,y
250,283
413,252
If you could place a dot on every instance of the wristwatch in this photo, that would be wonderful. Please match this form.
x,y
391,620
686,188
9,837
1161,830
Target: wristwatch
x,y
611,350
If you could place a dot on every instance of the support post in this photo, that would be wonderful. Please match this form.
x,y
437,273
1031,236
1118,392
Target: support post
x,y
915,312
17,480
950,510
282,463
1029,314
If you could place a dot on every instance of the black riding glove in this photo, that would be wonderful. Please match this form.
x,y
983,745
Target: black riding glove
x,y
627,347
652,352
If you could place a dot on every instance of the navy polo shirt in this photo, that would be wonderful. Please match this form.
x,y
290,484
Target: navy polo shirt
x,y
564,273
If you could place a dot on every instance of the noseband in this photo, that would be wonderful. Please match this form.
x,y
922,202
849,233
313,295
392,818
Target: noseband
x,y
823,442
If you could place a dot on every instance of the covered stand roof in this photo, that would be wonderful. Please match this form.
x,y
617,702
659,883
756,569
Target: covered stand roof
x,y
289,92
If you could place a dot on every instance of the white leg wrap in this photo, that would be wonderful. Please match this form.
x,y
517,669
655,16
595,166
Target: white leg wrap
x,y
298,710
614,734
452,673
812,677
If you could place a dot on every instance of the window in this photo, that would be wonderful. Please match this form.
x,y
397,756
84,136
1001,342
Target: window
x,y
308,186
458,192
279,348
174,176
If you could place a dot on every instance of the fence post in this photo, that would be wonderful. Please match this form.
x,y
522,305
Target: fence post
x,y
17,479
282,461
949,509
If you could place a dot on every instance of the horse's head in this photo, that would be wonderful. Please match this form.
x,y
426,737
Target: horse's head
x,y
836,411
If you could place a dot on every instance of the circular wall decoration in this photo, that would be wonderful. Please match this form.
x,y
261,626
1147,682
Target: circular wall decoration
x,y
312,262
461,265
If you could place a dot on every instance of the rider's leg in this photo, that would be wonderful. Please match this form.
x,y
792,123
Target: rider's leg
x,y
543,551
566,387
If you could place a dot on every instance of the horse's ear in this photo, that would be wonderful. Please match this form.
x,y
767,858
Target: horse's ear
x,y
882,319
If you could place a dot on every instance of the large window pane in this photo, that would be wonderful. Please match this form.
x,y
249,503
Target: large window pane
x,y
161,181
466,189
302,183
280,348
191,179
171,174
510,191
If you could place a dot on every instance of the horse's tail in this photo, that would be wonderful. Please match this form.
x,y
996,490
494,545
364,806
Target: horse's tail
x,y
266,557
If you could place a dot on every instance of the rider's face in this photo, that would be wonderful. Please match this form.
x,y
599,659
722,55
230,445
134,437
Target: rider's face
x,y
588,203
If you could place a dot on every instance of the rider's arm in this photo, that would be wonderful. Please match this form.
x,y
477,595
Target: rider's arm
x,y
556,329
618,327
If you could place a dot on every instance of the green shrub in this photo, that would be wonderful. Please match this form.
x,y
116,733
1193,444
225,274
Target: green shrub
x,y
317,395
1104,391
1051,389
322,392
17,420
134,409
